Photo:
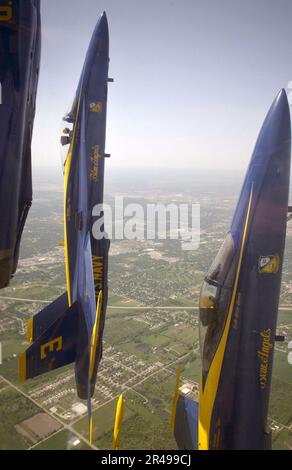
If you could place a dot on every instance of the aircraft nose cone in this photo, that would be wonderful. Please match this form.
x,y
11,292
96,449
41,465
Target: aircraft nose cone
x,y
103,23
99,43
276,129
100,31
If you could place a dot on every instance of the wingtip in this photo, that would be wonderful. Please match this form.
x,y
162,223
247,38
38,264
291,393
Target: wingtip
x,y
118,423
120,403
175,399
91,430
29,336
22,367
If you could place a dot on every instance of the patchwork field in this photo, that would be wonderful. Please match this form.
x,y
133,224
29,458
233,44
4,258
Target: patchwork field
x,y
151,329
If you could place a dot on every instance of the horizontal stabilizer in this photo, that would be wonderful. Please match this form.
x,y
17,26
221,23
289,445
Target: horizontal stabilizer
x,y
54,348
40,322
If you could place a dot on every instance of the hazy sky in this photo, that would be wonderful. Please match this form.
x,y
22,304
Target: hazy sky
x,y
193,78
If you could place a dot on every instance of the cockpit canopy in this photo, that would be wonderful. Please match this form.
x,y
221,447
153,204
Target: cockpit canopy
x,y
214,301
66,137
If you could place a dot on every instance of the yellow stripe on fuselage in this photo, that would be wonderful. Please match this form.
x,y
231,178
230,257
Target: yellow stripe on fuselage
x,y
66,177
95,336
209,392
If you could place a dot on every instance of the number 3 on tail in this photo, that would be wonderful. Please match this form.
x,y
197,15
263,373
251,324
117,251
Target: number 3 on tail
x,y
5,13
54,345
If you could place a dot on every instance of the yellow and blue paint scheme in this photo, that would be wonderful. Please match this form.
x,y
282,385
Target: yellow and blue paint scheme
x,y
71,328
20,49
239,305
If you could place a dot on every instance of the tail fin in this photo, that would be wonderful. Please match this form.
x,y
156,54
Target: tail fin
x,y
55,345
118,424
184,419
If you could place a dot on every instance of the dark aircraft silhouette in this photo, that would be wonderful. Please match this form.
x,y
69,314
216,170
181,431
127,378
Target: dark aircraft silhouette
x,y
239,306
71,328
20,43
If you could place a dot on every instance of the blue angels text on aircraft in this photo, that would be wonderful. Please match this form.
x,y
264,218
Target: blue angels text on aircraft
x,y
239,305
71,328
20,42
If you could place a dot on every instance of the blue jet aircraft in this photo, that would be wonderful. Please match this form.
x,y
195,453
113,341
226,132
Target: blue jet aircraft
x,y
20,44
71,328
239,306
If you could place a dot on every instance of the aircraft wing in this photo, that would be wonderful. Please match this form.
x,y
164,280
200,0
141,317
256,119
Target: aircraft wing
x,y
19,67
25,190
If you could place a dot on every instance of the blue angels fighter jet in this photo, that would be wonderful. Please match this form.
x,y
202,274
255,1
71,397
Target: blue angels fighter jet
x,y
20,42
239,306
70,329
